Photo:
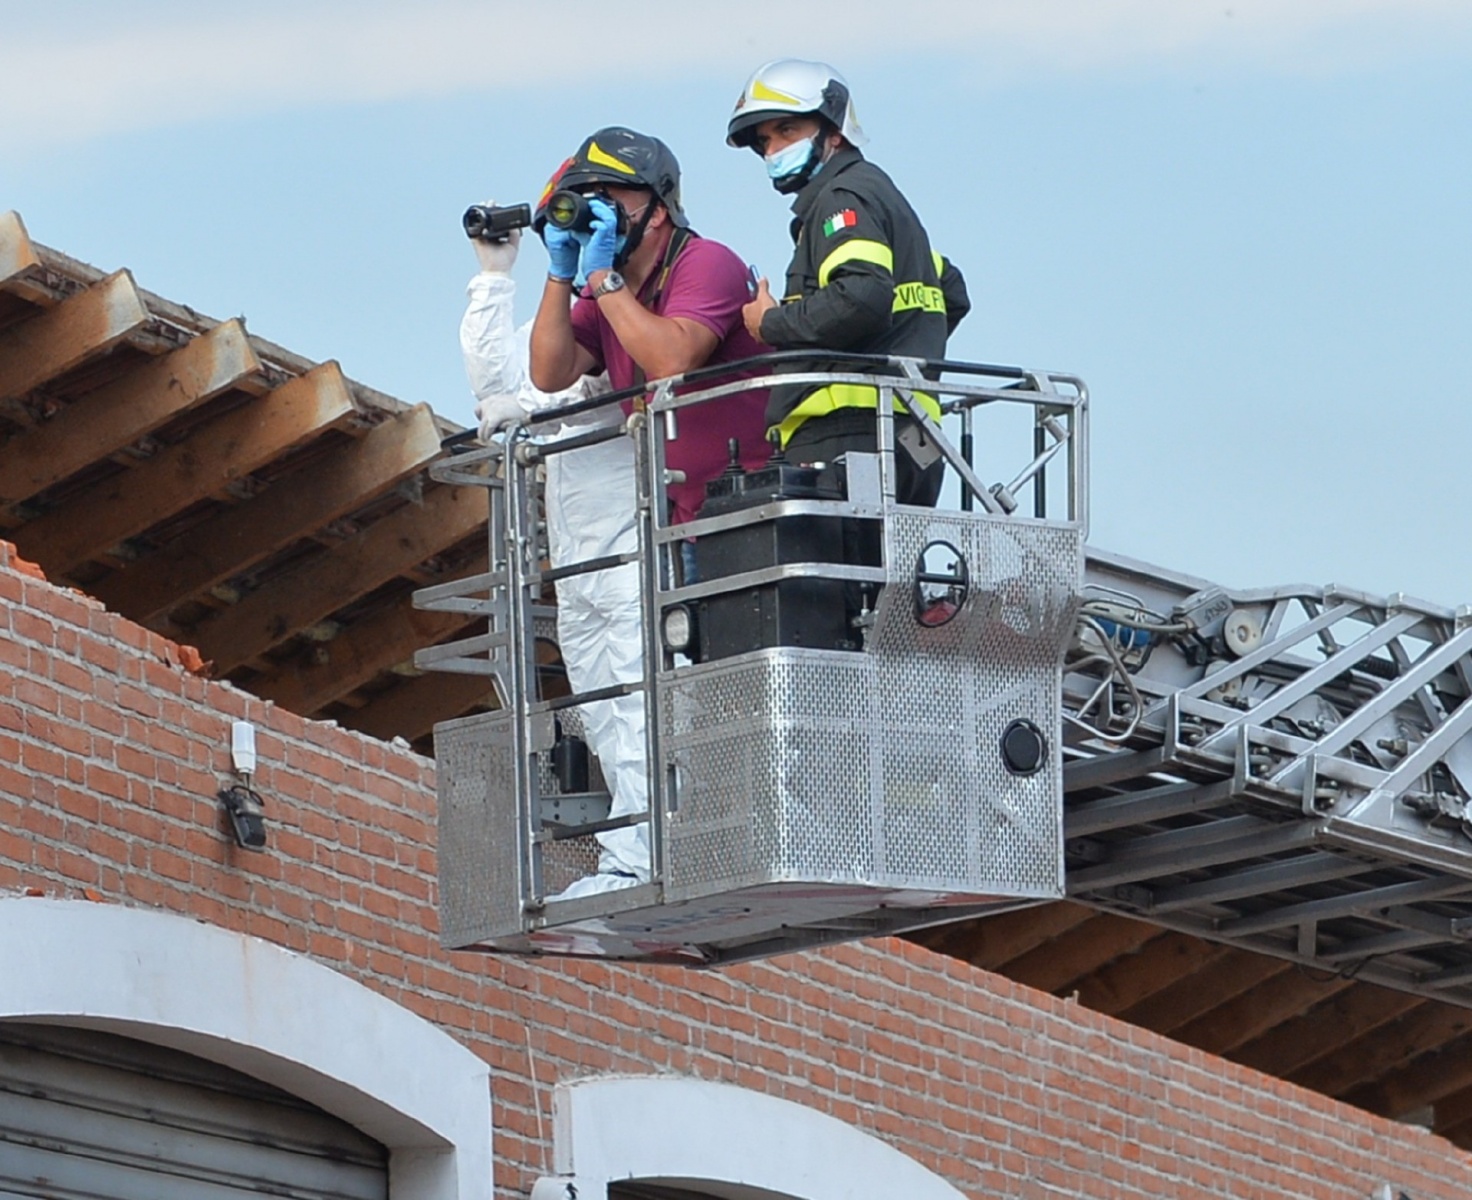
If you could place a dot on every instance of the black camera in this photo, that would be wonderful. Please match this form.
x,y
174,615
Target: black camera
x,y
495,224
573,211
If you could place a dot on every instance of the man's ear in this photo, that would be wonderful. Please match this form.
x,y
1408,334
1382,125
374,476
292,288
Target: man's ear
x,y
660,216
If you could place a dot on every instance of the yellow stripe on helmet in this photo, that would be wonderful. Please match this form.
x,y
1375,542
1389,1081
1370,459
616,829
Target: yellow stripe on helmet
x,y
596,154
760,91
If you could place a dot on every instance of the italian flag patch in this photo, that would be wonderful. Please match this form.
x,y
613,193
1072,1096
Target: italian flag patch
x,y
844,219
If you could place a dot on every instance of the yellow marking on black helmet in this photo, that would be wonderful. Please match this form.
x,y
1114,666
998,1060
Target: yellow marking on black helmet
x,y
596,154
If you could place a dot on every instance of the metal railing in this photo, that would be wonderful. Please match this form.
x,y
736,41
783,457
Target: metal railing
x,y
511,593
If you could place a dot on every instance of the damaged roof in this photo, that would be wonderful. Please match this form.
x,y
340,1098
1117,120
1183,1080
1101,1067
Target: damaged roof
x,y
229,494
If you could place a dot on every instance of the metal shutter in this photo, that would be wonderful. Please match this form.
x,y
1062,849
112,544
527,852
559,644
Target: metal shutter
x,y
90,1116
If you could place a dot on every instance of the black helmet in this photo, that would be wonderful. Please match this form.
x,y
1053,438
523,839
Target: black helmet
x,y
623,158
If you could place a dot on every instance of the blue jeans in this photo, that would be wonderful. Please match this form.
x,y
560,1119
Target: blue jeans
x,y
688,572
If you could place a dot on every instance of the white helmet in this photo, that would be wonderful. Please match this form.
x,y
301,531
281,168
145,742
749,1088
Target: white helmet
x,y
793,86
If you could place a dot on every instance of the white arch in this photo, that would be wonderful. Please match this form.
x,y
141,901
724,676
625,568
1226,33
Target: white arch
x,y
258,1008
722,1140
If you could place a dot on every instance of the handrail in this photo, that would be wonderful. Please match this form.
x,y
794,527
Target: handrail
x,y
821,363
1060,425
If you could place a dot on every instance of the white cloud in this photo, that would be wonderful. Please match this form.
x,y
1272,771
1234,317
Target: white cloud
x,y
170,62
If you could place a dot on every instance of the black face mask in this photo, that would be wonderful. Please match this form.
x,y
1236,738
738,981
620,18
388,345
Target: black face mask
x,y
635,235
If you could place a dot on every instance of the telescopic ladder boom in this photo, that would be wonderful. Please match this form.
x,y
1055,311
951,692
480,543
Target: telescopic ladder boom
x,y
1284,769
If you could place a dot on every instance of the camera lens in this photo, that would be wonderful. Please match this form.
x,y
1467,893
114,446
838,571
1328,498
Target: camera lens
x,y
564,209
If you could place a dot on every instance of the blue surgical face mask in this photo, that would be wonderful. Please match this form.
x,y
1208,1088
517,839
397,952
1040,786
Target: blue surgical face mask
x,y
793,160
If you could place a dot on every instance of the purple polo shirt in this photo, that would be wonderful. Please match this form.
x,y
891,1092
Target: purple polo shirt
x,y
707,284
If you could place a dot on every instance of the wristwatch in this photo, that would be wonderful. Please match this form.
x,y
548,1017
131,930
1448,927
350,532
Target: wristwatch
x,y
612,282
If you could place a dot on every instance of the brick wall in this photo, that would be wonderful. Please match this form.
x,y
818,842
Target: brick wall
x,y
112,748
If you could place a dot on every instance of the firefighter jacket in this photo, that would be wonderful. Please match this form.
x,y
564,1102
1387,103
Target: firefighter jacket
x,y
864,279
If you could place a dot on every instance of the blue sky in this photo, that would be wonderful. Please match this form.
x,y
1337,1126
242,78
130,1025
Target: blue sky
x,y
1248,225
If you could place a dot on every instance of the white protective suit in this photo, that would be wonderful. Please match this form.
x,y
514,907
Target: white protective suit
x,y
590,503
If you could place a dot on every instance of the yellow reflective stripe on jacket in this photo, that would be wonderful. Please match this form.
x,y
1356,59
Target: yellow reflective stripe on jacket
x,y
847,395
918,295
939,261
906,295
855,250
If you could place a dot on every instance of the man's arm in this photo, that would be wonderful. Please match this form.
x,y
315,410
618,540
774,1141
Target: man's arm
x,y
557,361
953,288
855,296
660,345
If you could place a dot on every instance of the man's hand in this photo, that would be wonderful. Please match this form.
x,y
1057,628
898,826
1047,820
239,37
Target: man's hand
x,y
563,249
601,247
753,311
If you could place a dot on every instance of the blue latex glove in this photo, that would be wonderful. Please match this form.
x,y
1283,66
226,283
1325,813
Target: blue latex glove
x,y
563,250
601,247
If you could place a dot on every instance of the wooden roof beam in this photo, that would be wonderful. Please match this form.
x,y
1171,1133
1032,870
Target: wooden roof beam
x,y
1425,1081
411,710
17,255
1319,1032
81,327
1422,1029
1156,966
1079,952
990,942
119,413
1176,1006
292,508
1258,1010
359,653
215,455
319,587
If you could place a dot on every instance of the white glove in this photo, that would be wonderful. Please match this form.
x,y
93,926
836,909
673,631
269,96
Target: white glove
x,y
497,257
495,413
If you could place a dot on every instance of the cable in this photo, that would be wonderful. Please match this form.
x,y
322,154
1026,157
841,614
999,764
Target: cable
x,y
1140,619
1117,671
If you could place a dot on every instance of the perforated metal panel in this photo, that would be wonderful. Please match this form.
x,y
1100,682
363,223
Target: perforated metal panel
x,y
884,768
479,852
773,755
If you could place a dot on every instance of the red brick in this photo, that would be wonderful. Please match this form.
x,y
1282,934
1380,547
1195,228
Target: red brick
x,y
71,676
27,625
